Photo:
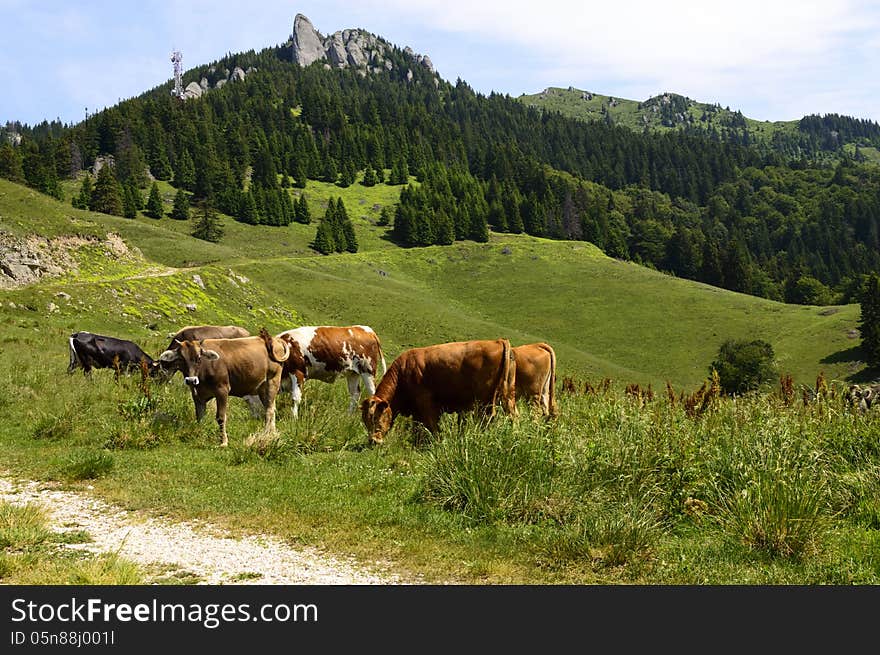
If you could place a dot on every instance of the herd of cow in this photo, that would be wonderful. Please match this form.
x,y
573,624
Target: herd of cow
x,y
421,383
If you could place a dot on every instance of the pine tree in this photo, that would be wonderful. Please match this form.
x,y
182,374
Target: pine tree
x,y
346,179
180,210
299,175
330,170
248,209
129,201
84,198
154,207
369,177
351,244
287,209
185,173
208,225
337,216
869,319
384,216
324,242
107,194
302,212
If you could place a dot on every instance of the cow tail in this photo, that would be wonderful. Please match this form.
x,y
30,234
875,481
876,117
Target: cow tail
x,y
506,386
270,341
551,394
382,356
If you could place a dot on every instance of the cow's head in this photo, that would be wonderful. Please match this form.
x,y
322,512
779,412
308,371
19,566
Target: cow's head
x,y
187,358
377,416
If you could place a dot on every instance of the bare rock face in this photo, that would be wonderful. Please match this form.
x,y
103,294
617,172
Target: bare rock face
x,y
237,74
352,48
192,90
336,51
307,45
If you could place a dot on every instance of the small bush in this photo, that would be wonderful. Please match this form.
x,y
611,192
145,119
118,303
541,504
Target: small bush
x,y
744,365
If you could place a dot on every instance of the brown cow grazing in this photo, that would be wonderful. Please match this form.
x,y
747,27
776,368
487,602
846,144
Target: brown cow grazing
x,y
323,352
219,368
536,376
425,383
199,332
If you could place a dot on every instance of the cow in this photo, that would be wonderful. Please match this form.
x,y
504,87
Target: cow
x,y
197,333
426,382
242,366
863,398
323,352
536,376
89,351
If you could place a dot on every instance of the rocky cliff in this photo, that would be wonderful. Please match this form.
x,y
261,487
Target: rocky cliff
x,y
353,47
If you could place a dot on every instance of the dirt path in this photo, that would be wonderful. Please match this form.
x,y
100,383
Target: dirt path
x,y
190,550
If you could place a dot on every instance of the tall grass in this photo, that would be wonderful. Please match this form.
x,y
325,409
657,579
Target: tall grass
x,y
614,474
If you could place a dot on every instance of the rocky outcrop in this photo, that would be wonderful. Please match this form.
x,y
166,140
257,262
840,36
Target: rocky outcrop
x,y
192,90
352,48
306,42
27,260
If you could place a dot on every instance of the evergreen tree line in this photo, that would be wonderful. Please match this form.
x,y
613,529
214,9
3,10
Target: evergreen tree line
x,y
710,210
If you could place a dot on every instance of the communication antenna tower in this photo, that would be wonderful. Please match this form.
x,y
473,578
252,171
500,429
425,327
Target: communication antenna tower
x,y
177,60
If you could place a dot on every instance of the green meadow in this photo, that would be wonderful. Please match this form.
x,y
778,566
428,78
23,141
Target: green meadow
x,y
663,487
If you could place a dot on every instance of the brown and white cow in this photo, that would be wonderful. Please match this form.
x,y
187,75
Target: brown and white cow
x,y
323,352
219,368
425,383
536,376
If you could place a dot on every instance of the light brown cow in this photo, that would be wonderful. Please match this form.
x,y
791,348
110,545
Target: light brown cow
x,y
323,352
536,376
199,332
219,368
425,383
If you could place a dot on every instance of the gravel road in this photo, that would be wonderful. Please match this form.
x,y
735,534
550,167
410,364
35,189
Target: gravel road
x,y
193,549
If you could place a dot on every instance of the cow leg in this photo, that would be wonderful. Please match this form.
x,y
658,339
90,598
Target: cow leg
x,y
354,390
268,393
200,405
296,394
71,367
222,402
369,383
256,405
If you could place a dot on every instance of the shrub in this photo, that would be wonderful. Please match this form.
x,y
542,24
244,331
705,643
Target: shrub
x,y
744,365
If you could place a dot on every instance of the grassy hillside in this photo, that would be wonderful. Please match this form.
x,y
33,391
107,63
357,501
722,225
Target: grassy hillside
x,y
602,315
618,489
650,113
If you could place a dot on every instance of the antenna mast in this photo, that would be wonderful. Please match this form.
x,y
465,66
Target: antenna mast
x,y
177,60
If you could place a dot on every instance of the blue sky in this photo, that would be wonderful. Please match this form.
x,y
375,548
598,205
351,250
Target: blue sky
x,y
773,60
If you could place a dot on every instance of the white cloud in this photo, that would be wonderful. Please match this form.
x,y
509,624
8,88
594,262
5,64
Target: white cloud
x,y
709,50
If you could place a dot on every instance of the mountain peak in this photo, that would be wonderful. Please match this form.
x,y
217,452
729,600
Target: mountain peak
x,y
352,47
